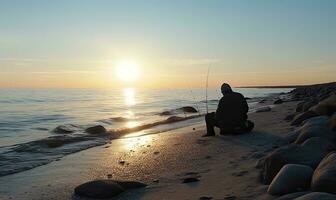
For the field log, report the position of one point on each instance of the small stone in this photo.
(156, 152)
(190, 180)
(122, 162)
(278, 101)
(241, 173)
(205, 198)
(231, 197)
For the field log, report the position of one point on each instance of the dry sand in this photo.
(225, 165)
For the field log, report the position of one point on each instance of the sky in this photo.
(79, 43)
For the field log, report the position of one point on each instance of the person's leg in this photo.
(210, 124)
(226, 129)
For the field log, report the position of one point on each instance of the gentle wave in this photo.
(72, 139)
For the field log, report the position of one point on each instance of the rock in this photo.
(263, 109)
(307, 105)
(174, 119)
(320, 121)
(205, 198)
(65, 129)
(188, 109)
(230, 197)
(324, 178)
(325, 107)
(317, 196)
(95, 130)
(166, 113)
(299, 106)
(291, 136)
(262, 101)
(298, 119)
(278, 101)
(319, 143)
(310, 131)
(291, 178)
(100, 189)
(190, 180)
(290, 117)
(309, 153)
(333, 122)
(292, 196)
(103, 189)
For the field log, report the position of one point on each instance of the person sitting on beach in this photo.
(231, 114)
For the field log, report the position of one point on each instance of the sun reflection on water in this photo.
(129, 96)
(132, 124)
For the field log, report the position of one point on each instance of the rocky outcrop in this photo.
(291, 178)
(333, 122)
(325, 107)
(317, 196)
(298, 119)
(324, 178)
(315, 131)
(310, 153)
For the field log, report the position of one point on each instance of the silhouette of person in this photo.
(231, 114)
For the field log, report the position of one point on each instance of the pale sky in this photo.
(78, 43)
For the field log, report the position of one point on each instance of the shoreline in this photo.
(80, 142)
(147, 158)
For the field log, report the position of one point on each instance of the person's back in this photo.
(232, 109)
(231, 114)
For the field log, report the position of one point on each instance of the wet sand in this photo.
(224, 165)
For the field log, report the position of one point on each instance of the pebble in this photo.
(190, 180)
(205, 198)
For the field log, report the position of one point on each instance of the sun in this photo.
(127, 71)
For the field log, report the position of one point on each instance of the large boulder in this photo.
(319, 120)
(333, 122)
(291, 178)
(299, 106)
(104, 189)
(310, 131)
(95, 130)
(307, 105)
(292, 196)
(325, 107)
(324, 178)
(310, 153)
(317, 196)
(298, 119)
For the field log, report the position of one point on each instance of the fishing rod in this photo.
(198, 110)
(206, 91)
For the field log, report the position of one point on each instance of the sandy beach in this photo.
(224, 165)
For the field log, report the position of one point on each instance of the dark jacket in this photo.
(232, 109)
